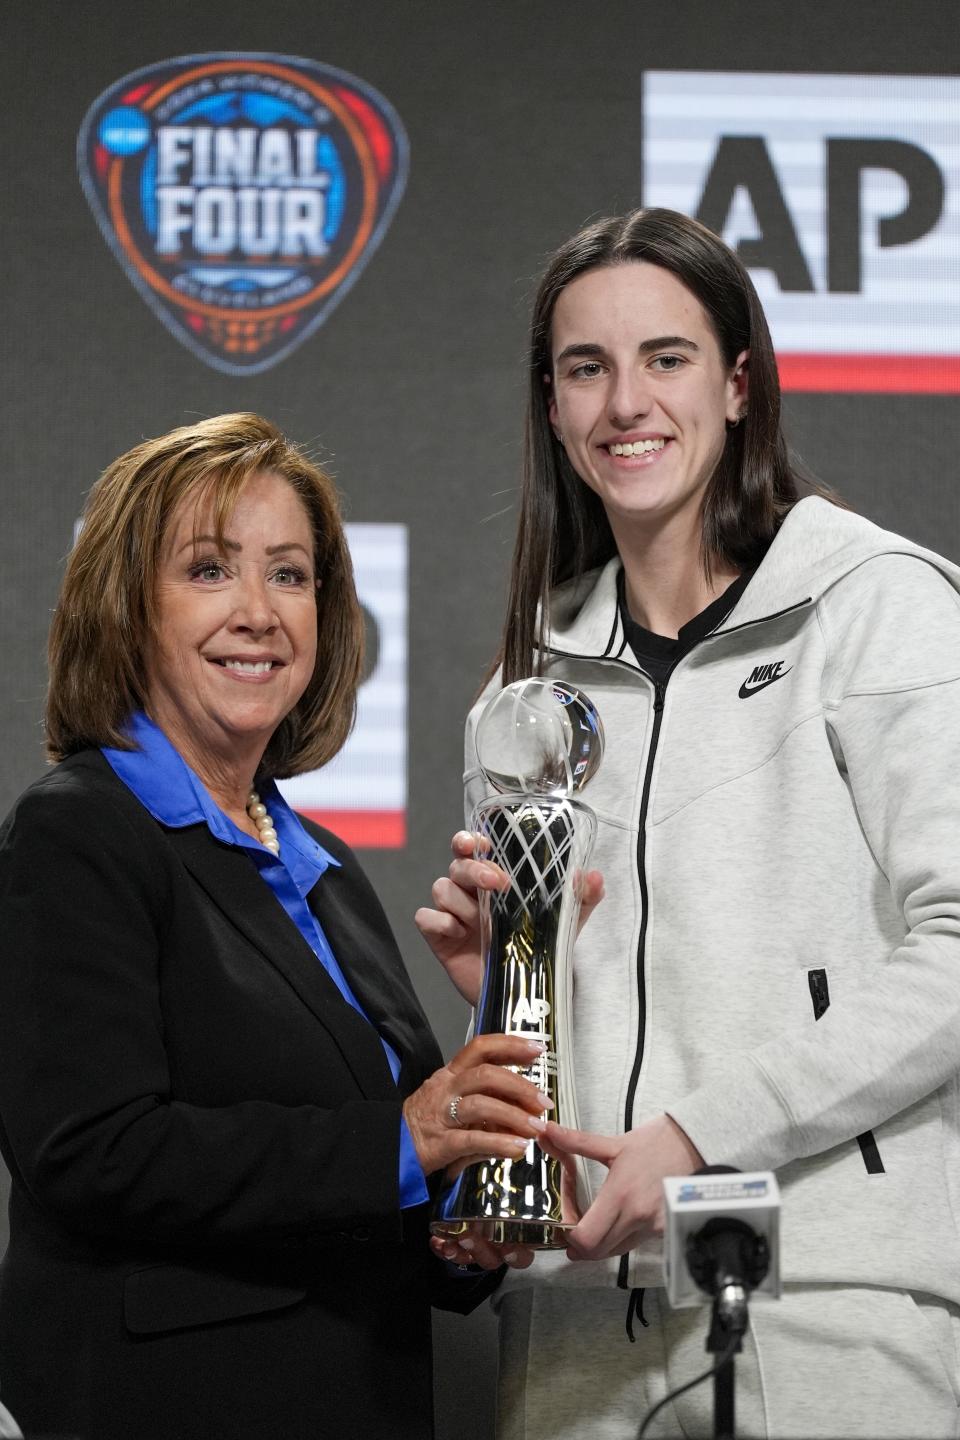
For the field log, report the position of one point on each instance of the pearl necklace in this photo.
(258, 814)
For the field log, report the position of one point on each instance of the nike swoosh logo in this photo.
(747, 689)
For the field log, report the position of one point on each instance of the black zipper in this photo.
(659, 692)
(820, 995)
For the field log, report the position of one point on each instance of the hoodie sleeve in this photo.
(891, 702)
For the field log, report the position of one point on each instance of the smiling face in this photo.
(236, 630)
(641, 394)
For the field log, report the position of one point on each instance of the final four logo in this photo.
(243, 194)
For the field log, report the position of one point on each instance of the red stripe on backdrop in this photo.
(364, 829)
(879, 374)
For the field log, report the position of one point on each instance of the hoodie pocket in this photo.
(820, 997)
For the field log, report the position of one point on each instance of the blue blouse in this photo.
(166, 786)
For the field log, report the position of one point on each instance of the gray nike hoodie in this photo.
(777, 962)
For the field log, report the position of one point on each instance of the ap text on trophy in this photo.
(538, 742)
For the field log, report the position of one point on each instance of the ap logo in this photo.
(243, 194)
(841, 193)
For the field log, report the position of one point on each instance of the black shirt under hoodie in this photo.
(657, 654)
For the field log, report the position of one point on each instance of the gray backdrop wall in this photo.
(524, 119)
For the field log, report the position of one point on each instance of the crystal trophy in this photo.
(538, 742)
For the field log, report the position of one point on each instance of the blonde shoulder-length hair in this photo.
(106, 612)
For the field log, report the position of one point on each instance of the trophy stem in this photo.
(528, 930)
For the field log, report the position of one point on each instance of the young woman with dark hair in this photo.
(564, 528)
(773, 981)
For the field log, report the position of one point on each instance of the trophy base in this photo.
(536, 1234)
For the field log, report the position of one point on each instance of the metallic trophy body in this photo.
(538, 740)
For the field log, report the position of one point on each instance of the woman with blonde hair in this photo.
(220, 1102)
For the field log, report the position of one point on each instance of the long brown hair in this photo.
(107, 607)
(563, 530)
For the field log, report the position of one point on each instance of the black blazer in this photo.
(205, 1232)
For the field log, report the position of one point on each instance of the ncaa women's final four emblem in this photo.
(243, 194)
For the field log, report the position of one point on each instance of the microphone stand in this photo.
(727, 1259)
(728, 1323)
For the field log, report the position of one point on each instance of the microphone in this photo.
(721, 1238)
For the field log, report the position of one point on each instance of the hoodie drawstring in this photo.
(635, 1307)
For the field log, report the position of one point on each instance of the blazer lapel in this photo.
(229, 879)
(360, 937)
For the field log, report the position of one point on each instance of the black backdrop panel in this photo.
(524, 120)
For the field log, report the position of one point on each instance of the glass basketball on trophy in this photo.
(538, 742)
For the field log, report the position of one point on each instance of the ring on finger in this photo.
(454, 1108)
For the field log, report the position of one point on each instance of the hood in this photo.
(817, 545)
